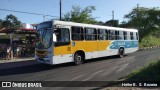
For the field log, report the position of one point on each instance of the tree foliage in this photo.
(1, 23)
(100, 23)
(146, 20)
(77, 14)
(114, 23)
(11, 21)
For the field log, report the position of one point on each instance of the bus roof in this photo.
(56, 22)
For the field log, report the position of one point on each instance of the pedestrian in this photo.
(23, 51)
(8, 52)
(18, 51)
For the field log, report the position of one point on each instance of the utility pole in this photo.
(11, 40)
(44, 18)
(60, 6)
(112, 17)
(137, 6)
(11, 44)
(137, 9)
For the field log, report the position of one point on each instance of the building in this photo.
(24, 36)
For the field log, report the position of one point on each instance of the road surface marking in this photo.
(109, 71)
(94, 74)
(97, 72)
(77, 77)
(132, 57)
(87, 78)
(122, 67)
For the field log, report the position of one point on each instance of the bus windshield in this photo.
(44, 31)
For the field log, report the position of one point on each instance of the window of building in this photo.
(90, 34)
(77, 33)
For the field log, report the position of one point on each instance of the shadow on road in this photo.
(101, 59)
(30, 69)
(37, 67)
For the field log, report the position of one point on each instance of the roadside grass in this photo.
(150, 72)
(149, 41)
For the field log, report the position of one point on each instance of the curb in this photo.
(17, 60)
(143, 48)
(17, 63)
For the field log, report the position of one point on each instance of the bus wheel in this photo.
(121, 52)
(78, 59)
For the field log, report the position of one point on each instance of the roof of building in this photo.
(14, 30)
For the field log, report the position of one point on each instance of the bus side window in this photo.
(121, 36)
(131, 35)
(134, 36)
(112, 35)
(137, 35)
(102, 34)
(116, 35)
(90, 34)
(62, 36)
(128, 36)
(77, 33)
(125, 35)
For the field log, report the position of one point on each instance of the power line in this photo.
(26, 12)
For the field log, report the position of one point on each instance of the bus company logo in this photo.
(6, 84)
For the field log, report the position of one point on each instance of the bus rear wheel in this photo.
(78, 58)
(121, 52)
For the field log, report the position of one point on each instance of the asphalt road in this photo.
(102, 69)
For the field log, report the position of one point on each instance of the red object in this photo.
(5, 30)
(27, 29)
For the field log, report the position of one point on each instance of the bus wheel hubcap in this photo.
(78, 58)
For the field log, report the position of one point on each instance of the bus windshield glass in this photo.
(44, 33)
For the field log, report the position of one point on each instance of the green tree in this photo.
(100, 23)
(1, 23)
(77, 14)
(114, 23)
(146, 20)
(11, 21)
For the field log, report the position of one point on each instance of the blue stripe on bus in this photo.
(125, 44)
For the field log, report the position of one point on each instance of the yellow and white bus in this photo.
(62, 42)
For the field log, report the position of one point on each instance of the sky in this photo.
(103, 10)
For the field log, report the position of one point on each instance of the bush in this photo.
(150, 72)
(149, 41)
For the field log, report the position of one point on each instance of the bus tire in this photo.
(78, 58)
(121, 52)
